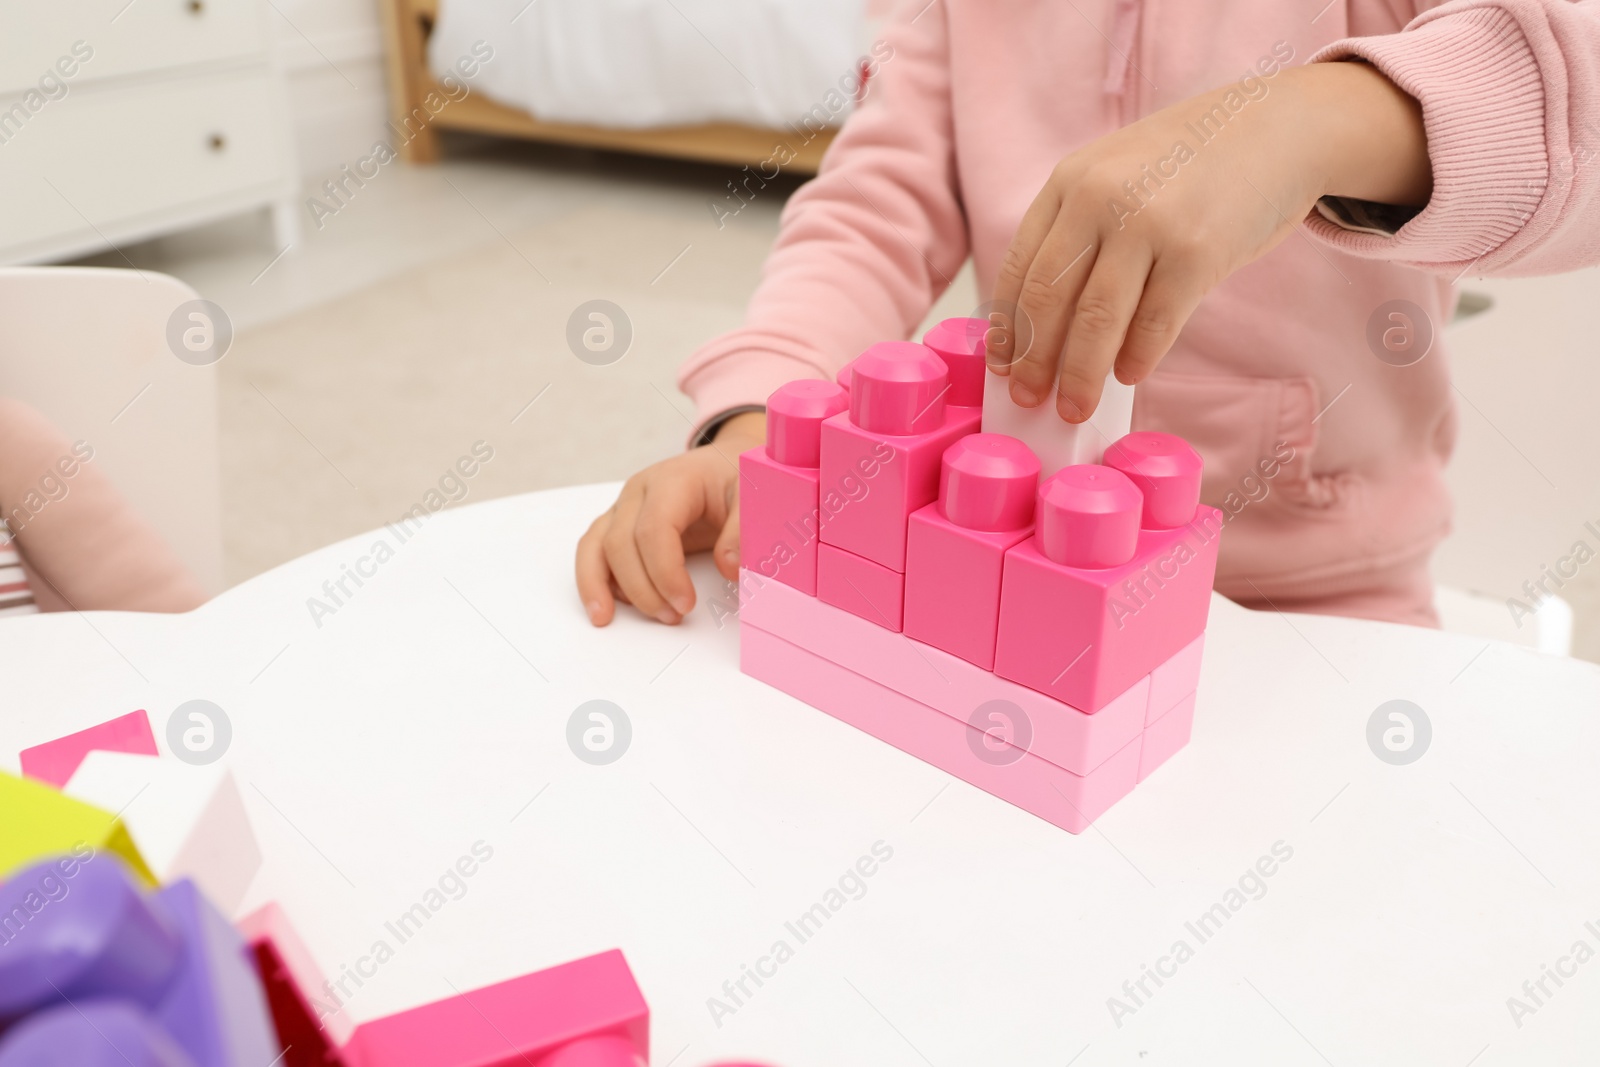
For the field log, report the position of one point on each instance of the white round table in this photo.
(427, 716)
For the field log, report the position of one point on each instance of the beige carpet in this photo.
(340, 418)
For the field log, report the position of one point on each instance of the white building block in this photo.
(188, 821)
(1058, 444)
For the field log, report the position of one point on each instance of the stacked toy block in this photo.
(1036, 633)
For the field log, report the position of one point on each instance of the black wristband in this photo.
(714, 425)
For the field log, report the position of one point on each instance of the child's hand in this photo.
(1130, 232)
(635, 551)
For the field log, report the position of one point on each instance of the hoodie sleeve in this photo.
(1510, 95)
(866, 247)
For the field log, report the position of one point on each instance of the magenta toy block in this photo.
(1017, 777)
(844, 375)
(1088, 516)
(1175, 679)
(589, 1012)
(956, 546)
(215, 1007)
(880, 460)
(54, 761)
(778, 520)
(1166, 470)
(795, 413)
(1166, 736)
(80, 928)
(861, 587)
(948, 684)
(310, 1032)
(1084, 635)
(91, 1033)
(778, 495)
(960, 344)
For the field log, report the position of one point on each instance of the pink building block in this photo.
(960, 344)
(1175, 679)
(1058, 796)
(1088, 516)
(863, 588)
(309, 1022)
(955, 547)
(55, 761)
(881, 458)
(778, 488)
(1167, 471)
(1166, 736)
(588, 1012)
(1084, 635)
(948, 684)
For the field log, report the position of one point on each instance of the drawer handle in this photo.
(217, 142)
(197, 7)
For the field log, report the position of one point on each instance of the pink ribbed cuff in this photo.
(1483, 106)
(740, 378)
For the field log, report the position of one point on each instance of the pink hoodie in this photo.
(1329, 459)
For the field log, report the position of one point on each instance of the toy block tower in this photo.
(1052, 610)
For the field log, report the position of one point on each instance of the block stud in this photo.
(960, 343)
(1166, 470)
(988, 481)
(1088, 517)
(898, 388)
(846, 372)
(794, 420)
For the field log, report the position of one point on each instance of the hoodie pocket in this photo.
(1256, 435)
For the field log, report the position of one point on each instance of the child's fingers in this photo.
(1109, 299)
(594, 577)
(670, 507)
(1170, 296)
(1001, 341)
(1049, 296)
(726, 551)
(622, 556)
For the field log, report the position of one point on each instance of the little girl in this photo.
(1282, 245)
(68, 539)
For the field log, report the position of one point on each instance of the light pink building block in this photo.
(882, 456)
(1166, 736)
(55, 761)
(955, 547)
(588, 1012)
(1058, 796)
(1175, 679)
(1084, 635)
(948, 684)
(778, 485)
(960, 344)
(866, 589)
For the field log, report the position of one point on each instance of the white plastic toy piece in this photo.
(1057, 443)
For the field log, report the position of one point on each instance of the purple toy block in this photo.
(215, 1007)
(1167, 471)
(778, 491)
(79, 928)
(960, 343)
(881, 459)
(91, 1033)
(861, 587)
(1084, 635)
(955, 547)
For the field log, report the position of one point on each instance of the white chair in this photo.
(88, 348)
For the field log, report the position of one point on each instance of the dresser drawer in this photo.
(120, 37)
(107, 160)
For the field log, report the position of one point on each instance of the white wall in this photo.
(1524, 474)
(332, 51)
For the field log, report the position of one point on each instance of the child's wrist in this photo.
(745, 430)
(1366, 134)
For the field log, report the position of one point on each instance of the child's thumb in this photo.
(726, 550)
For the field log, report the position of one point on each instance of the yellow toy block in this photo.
(37, 822)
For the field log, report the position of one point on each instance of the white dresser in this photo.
(125, 120)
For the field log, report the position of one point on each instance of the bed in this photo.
(759, 83)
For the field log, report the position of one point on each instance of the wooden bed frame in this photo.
(406, 26)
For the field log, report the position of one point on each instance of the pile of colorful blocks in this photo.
(113, 954)
(1036, 632)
